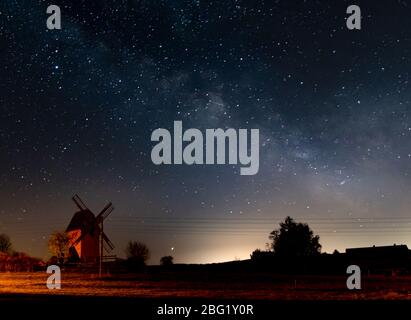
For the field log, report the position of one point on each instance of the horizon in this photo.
(232, 251)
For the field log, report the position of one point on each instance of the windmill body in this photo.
(86, 236)
(83, 232)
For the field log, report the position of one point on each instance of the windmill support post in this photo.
(100, 269)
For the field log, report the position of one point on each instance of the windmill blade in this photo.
(107, 248)
(80, 204)
(108, 242)
(78, 239)
(91, 231)
(105, 212)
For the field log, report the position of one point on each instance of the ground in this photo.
(210, 286)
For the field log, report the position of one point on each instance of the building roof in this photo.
(83, 220)
(383, 251)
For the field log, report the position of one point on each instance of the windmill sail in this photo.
(105, 212)
(80, 204)
(107, 242)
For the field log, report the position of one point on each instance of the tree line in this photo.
(292, 239)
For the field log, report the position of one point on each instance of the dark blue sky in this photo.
(78, 106)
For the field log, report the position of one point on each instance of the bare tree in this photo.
(5, 243)
(59, 245)
(137, 253)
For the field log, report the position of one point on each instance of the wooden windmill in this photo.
(86, 236)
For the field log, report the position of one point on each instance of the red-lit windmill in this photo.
(85, 231)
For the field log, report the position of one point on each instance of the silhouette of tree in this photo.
(294, 239)
(259, 255)
(166, 261)
(59, 245)
(256, 254)
(5, 243)
(137, 253)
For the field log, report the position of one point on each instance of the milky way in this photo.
(78, 106)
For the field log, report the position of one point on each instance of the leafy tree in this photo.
(256, 254)
(137, 253)
(59, 245)
(166, 261)
(5, 243)
(294, 239)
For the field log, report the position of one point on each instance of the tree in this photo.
(137, 253)
(59, 245)
(166, 261)
(294, 239)
(256, 254)
(5, 243)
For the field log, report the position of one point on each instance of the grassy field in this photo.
(206, 285)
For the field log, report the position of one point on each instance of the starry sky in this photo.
(78, 107)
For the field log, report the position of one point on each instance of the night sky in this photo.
(78, 107)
